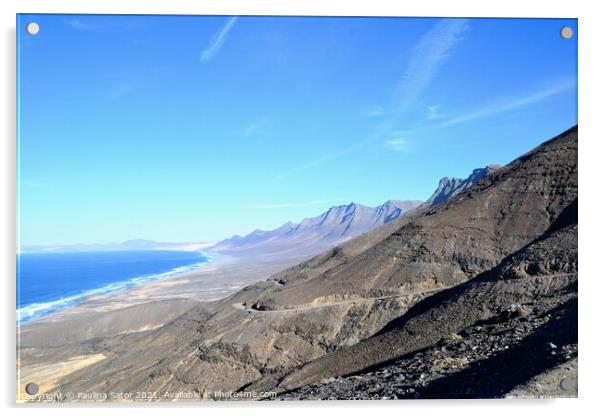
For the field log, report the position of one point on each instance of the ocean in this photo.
(48, 282)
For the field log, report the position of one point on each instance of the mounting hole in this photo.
(31, 388)
(32, 28)
(566, 32)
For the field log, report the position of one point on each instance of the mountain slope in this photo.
(534, 289)
(444, 245)
(340, 223)
(313, 235)
(286, 332)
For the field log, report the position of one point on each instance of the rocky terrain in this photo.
(480, 339)
(471, 297)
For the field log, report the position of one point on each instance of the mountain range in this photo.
(312, 235)
(340, 223)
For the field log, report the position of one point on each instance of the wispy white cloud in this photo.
(112, 24)
(398, 145)
(288, 204)
(431, 51)
(252, 128)
(492, 108)
(508, 104)
(426, 59)
(325, 159)
(433, 112)
(486, 110)
(119, 91)
(218, 40)
(78, 24)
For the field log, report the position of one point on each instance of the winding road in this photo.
(250, 309)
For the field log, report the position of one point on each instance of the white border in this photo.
(590, 71)
(508, 8)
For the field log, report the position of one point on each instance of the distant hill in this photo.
(312, 235)
(130, 245)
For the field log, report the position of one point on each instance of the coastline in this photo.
(36, 312)
(55, 344)
(219, 277)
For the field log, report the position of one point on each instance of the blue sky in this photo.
(180, 128)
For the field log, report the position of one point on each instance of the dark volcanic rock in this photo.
(524, 284)
(491, 357)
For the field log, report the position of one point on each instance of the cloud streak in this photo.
(218, 40)
(492, 108)
(254, 127)
(119, 91)
(510, 104)
(79, 25)
(324, 159)
(426, 59)
(398, 145)
(113, 24)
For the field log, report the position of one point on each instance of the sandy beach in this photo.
(213, 280)
(57, 342)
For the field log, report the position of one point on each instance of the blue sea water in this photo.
(47, 282)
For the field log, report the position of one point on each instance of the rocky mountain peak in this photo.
(449, 186)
